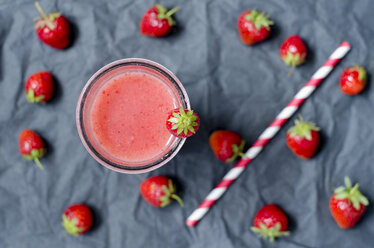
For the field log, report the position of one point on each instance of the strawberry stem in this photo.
(38, 163)
(44, 15)
(172, 11)
(40, 10)
(178, 199)
(291, 70)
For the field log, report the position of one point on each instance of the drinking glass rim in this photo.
(174, 81)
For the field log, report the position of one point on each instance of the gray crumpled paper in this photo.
(230, 85)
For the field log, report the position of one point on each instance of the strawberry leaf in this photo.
(180, 130)
(173, 120)
(164, 198)
(161, 8)
(339, 190)
(191, 129)
(175, 126)
(347, 182)
(356, 205)
(363, 200)
(342, 195)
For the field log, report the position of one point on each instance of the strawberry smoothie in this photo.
(122, 112)
(129, 113)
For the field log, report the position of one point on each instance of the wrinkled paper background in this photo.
(232, 86)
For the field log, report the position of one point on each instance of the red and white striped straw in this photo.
(269, 133)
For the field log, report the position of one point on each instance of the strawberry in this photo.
(159, 191)
(353, 80)
(182, 123)
(77, 219)
(39, 87)
(270, 222)
(31, 146)
(303, 138)
(253, 26)
(52, 29)
(293, 51)
(226, 145)
(157, 21)
(347, 204)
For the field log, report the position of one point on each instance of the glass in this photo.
(87, 98)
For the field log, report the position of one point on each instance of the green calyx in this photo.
(35, 155)
(163, 13)
(54, 15)
(361, 72)
(30, 96)
(183, 121)
(294, 59)
(48, 19)
(169, 194)
(70, 225)
(303, 129)
(270, 233)
(354, 196)
(259, 19)
(238, 151)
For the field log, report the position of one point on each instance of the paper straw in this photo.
(269, 133)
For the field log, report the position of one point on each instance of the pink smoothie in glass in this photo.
(128, 116)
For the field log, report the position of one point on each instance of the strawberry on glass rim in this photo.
(293, 52)
(52, 29)
(182, 123)
(253, 26)
(157, 21)
(347, 204)
(353, 80)
(39, 87)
